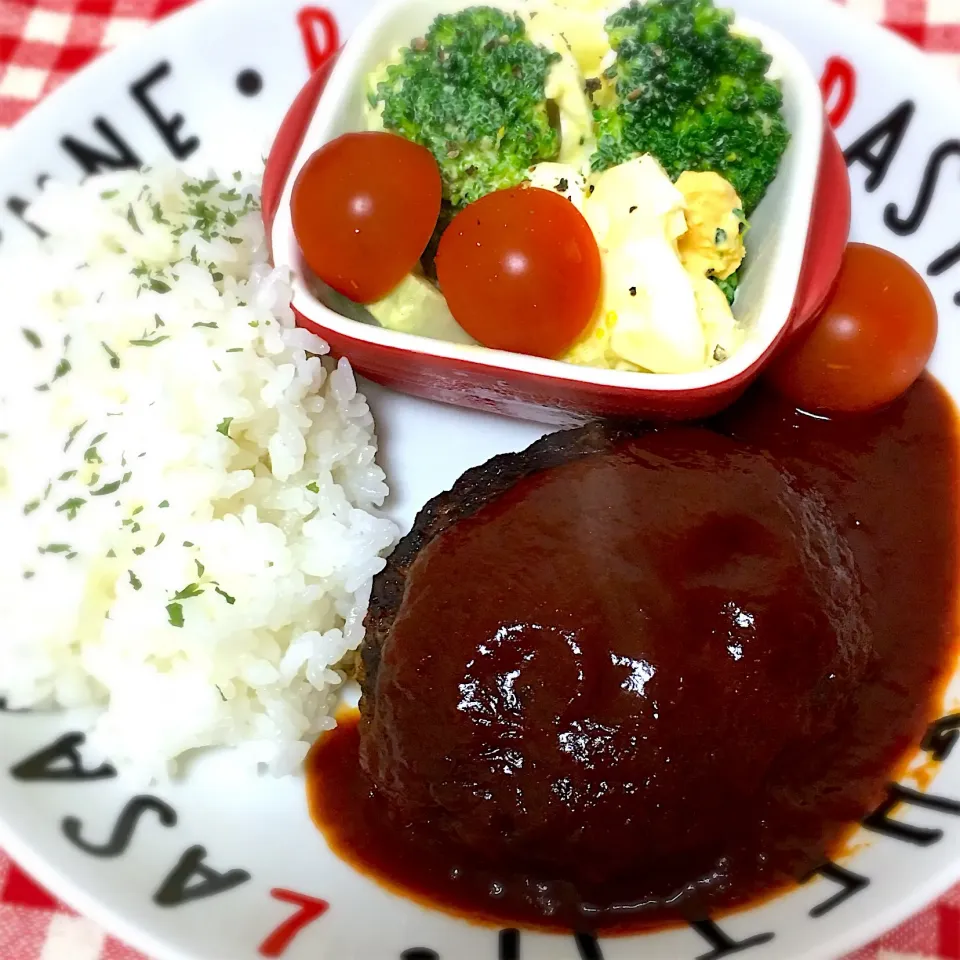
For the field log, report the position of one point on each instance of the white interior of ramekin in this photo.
(775, 243)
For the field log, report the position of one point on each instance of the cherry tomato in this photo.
(520, 270)
(363, 208)
(871, 342)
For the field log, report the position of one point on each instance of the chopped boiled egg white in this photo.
(417, 306)
(561, 178)
(659, 310)
(636, 215)
(578, 23)
(565, 86)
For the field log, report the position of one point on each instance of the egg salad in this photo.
(663, 242)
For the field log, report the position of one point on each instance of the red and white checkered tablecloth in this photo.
(42, 42)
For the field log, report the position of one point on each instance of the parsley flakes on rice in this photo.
(187, 490)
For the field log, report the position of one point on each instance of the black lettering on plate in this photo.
(880, 822)
(124, 829)
(508, 944)
(905, 226)
(419, 953)
(941, 735)
(850, 882)
(944, 262)
(587, 946)
(60, 760)
(167, 127)
(192, 879)
(878, 147)
(94, 159)
(18, 207)
(724, 945)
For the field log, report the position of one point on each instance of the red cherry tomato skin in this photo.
(871, 342)
(521, 271)
(363, 209)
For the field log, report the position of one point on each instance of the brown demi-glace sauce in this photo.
(820, 724)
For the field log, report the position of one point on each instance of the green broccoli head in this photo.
(693, 94)
(472, 92)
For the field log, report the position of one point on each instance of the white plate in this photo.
(906, 198)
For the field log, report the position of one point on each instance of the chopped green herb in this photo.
(200, 568)
(67, 475)
(234, 240)
(235, 350)
(135, 528)
(313, 487)
(71, 554)
(55, 548)
(140, 270)
(73, 435)
(190, 590)
(111, 554)
(28, 508)
(194, 259)
(158, 321)
(71, 506)
(224, 426)
(138, 550)
(213, 325)
(237, 175)
(91, 456)
(720, 236)
(188, 543)
(28, 574)
(175, 614)
(108, 194)
(163, 504)
(135, 581)
(63, 368)
(226, 596)
(158, 286)
(132, 219)
(31, 338)
(230, 219)
(114, 359)
(106, 488)
(126, 476)
(216, 275)
(160, 539)
(158, 214)
(150, 343)
(137, 511)
(230, 195)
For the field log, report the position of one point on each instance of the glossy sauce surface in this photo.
(661, 681)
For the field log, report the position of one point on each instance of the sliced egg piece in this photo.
(637, 215)
(561, 178)
(565, 90)
(416, 306)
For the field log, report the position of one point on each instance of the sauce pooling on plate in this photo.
(663, 678)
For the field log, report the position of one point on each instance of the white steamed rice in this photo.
(187, 490)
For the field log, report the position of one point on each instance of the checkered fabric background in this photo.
(42, 42)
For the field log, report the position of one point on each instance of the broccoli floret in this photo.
(472, 92)
(729, 285)
(693, 94)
